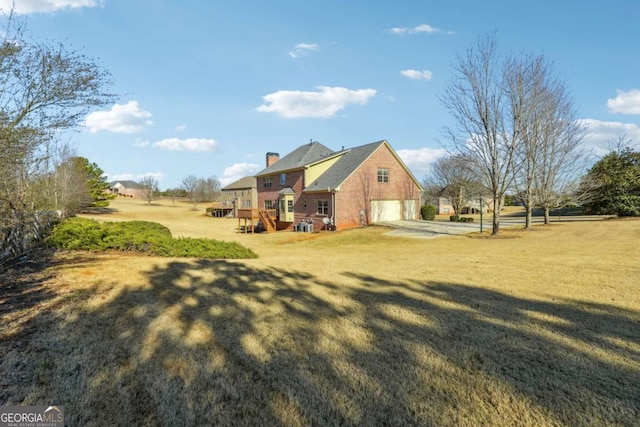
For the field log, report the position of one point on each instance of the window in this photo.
(283, 179)
(247, 203)
(323, 207)
(267, 181)
(268, 204)
(289, 205)
(383, 175)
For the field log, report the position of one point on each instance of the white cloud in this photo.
(134, 177)
(600, 134)
(36, 6)
(241, 169)
(302, 49)
(417, 75)
(237, 171)
(127, 118)
(423, 28)
(323, 104)
(625, 102)
(181, 127)
(189, 144)
(419, 160)
(141, 143)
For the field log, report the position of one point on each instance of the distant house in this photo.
(472, 206)
(325, 189)
(126, 189)
(240, 194)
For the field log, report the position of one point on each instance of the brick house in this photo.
(240, 194)
(338, 189)
(126, 188)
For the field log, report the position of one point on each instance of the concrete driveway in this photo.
(430, 229)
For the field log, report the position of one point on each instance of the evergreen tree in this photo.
(96, 183)
(612, 185)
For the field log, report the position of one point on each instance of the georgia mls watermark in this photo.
(31, 416)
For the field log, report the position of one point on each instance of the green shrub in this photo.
(465, 219)
(428, 212)
(136, 236)
(454, 218)
(139, 236)
(77, 233)
(208, 248)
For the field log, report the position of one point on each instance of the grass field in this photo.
(533, 328)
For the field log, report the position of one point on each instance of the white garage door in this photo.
(385, 210)
(390, 210)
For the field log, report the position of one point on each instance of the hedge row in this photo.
(456, 218)
(139, 236)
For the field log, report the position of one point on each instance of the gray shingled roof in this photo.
(242, 183)
(349, 162)
(126, 184)
(298, 158)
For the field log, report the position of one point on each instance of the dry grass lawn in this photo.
(537, 328)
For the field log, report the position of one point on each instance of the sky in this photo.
(208, 87)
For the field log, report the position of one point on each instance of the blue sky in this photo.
(208, 87)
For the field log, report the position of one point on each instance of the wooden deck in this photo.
(266, 217)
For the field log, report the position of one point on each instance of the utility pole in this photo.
(481, 214)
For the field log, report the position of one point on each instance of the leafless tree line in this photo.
(201, 189)
(515, 127)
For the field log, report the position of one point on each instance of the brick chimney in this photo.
(272, 158)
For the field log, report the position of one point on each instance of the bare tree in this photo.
(69, 189)
(190, 184)
(619, 143)
(208, 189)
(173, 195)
(44, 89)
(484, 132)
(561, 160)
(525, 81)
(430, 192)
(548, 152)
(149, 188)
(455, 178)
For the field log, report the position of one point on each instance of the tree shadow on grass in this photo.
(24, 286)
(576, 360)
(223, 343)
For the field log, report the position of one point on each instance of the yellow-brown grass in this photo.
(353, 328)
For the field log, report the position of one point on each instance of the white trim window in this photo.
(383, 175)
(323, 207)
